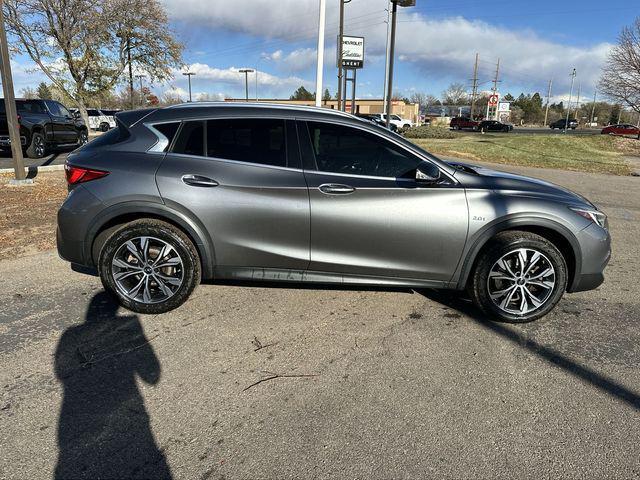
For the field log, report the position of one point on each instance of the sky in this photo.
(437, 40)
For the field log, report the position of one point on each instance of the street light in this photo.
(392, 47)
(189, 74)
(246, 72)
(140, 77)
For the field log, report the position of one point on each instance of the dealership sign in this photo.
(352, 52)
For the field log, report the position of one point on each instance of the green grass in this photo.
(586, 153)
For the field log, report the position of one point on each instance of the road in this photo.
(373, 383)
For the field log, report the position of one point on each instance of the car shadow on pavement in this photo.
(104, 429)
(584, 373)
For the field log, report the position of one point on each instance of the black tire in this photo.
(37, 147)
(501, 245)
(83, 137)
(178, 240)
(104, 127)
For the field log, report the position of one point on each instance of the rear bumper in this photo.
(74, 218)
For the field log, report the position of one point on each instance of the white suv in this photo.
(396, 120)
(99, 121)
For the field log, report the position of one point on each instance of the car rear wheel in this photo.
(150, 266)
(38, 147)
(104, 127)
(519, 278)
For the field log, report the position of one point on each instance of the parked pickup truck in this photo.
(44, 125)
(459, 123)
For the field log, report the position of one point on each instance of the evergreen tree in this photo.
(302, 94)
(43, 91)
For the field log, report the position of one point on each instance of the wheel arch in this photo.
(553, 231)
(113, 218)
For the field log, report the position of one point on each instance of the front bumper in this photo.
(5, 141)
(595, 247)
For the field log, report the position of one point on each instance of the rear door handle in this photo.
(336, 189)
(199, 181)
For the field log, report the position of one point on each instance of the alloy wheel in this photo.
(39, 147)
(521, 281)
(147, 270)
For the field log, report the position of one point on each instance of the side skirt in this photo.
(257, 274)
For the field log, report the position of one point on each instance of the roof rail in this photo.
(283, 106)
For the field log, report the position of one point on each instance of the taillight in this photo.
(80, 175)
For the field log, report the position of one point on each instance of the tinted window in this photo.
(169, 130)
(248, 140)
(30, 106)
(347, 150)
(190, 141)
(93, 113)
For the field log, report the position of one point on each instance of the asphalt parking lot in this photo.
(277, 382)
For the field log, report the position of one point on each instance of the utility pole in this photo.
(140, 77)
(130, 70)
(189, 75)
(573, 78)
(10, 107)
(593, 107)
(494, 89)
(474, 87)
(578, 101)
(546, 113)
(321, 19)
(386, 59)
(246, 72)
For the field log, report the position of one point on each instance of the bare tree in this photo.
(85, 46)
(28, 93)
(620, 80)
(423, 99)
(455, 94)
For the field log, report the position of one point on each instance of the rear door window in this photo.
(259, 141)
(190, 140)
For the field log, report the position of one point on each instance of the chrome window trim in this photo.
(163, 141)
(237, 162)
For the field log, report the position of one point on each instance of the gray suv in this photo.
(259, 192)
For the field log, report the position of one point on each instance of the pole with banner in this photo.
(350, 58)
(10, 107)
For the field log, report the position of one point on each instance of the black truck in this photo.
(44, 125)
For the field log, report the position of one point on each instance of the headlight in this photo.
(592, 215)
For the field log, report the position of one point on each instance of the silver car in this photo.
(258, 192)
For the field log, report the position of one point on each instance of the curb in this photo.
(37, 169)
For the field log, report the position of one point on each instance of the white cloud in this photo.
(297, 60)
(232, 81)
(439, 48)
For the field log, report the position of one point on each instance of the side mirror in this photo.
(427, 178)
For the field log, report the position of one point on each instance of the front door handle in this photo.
(336, 189)
(199, 181)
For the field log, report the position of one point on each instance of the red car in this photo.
(458, 123)
(622, 129)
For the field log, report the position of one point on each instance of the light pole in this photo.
(321, 18)
(392, 47)
(246, 72)
(340, 71)
(189, 75)
(566, 122)
(140, 77)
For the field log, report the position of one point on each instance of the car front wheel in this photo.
(150, 266)
(519, 278)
